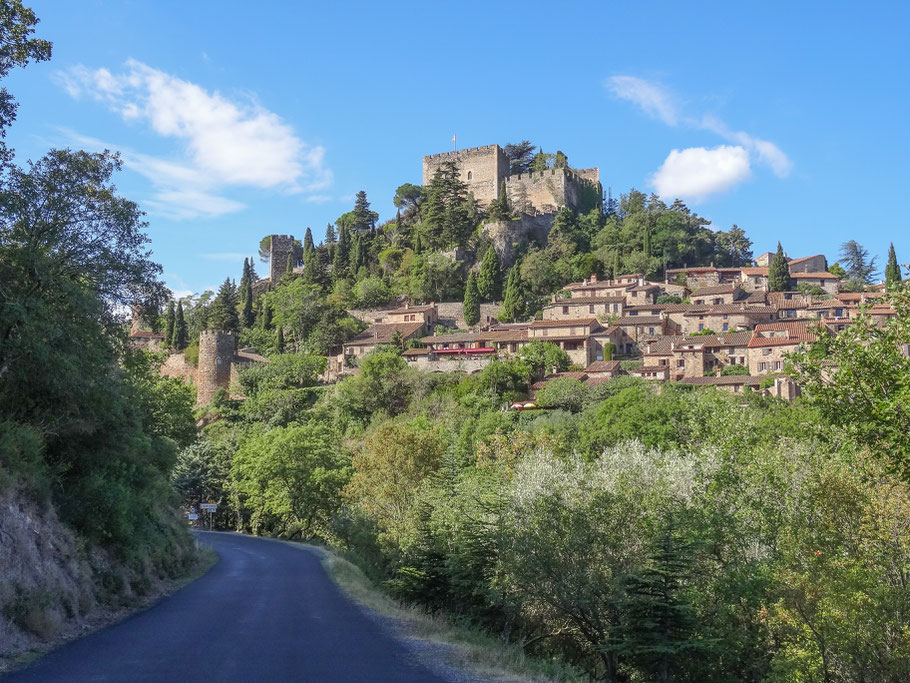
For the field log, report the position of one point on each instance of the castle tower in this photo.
(482, 169)
(216, 353)
(282, 247)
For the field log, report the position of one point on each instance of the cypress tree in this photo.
(356, 254)
(245, 279)
(247, 318)
(513, 304)
(280, 343)
(489, 283)
(342, 255)
(617, 264)
(892, 270)
(471, 306)
(779, 272)
(169, 320)
(181, 334)
(646, 246)
(266, 318)
(308, 241)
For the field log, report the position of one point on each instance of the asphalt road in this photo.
(266, 611)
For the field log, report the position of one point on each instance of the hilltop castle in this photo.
(484, 169)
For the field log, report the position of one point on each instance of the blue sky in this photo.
(241, 119)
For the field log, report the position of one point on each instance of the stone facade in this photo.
(483, 169)
(216, 354)
(282, 247)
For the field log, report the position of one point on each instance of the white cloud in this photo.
(767, 152)
(697, 172)
(224, 142)
(659, 103)
(654, 100)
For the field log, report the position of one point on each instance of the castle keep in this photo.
(483, 170)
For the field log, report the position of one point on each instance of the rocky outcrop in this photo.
(509, 237)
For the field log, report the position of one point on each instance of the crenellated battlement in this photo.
(456, 154)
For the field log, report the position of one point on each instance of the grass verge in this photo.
(463, 647)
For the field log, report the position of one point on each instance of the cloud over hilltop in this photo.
(223, 142)
(697, 172)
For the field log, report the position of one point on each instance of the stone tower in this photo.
(282, 247)
(216, 354)
(482, 169)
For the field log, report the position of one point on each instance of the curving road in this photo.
(266, 611)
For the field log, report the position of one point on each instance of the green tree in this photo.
(448, 215)
(341, 261)
(892, 270)
(169, 320)
(294, 475)
(181, 338)
(363, 218)
(471, 304)
(223, 314)
(779, 272)
(489, 281)
(247, 317)
(500, 209)
(407, 199)
(544, 357)
(520, 156)
(513, 300)
(856, 261)
(308, 244)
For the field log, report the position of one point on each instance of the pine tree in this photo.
(779, 272)
(223, 314)
(489, 282)
(363, 217)
(169, 320)
(313, 273)
(181, 334)
(657, 625)
(471, 306)
(892, 270)
(500, 208)
(308, 241)
(513, 301)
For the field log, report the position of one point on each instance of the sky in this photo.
(236, 119)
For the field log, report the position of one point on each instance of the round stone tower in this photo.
(216, 352)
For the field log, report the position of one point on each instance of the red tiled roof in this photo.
(603, 366)
(581, 300)
(822, 275)
(804, 258)
(716, 289)
(723, 380)
(383, 333)
(792, 340)
(570, 322)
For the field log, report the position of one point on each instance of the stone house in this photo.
(575, 337)
(702, 276)
(735, 384)
(718, 295)
(599, 306)
(726, 318)
(826, 281)
(808, 264)
(772, 342)
(427, 315)
(383, 333)
(643, 294)
(655, 373)
(605, 369)
(641, 327)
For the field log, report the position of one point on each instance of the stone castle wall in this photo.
(482, 168)
(216, 353)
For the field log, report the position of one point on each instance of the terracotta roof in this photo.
(383, 333)
(804, 258)
(716, 289)
(650, 368)
(454, 338)
(603, 366)
(248, 356)
(741, 309)
(858, 297)
(702, 269)
(641, 308)
(780, 301)
(792, 326)
(723, 380)
(416, 352)
(791, 340)
(569, 322)
(639, 320)
(684, 308)
(645, 288)
(580, 300)
(822, 275)
(754, 271)
(757, 297)
(506, 336)
(411, 309)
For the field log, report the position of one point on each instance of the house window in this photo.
(700, 327)
(725, 316)
(565, 310)
(766, 352)
(590, 308)
(681, 363)
(650, 330)
(778, 365)
(469, 175)
(726, 326)
(762, 367)
(616, 308)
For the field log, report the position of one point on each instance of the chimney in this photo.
(407, 304)
(593, 278)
